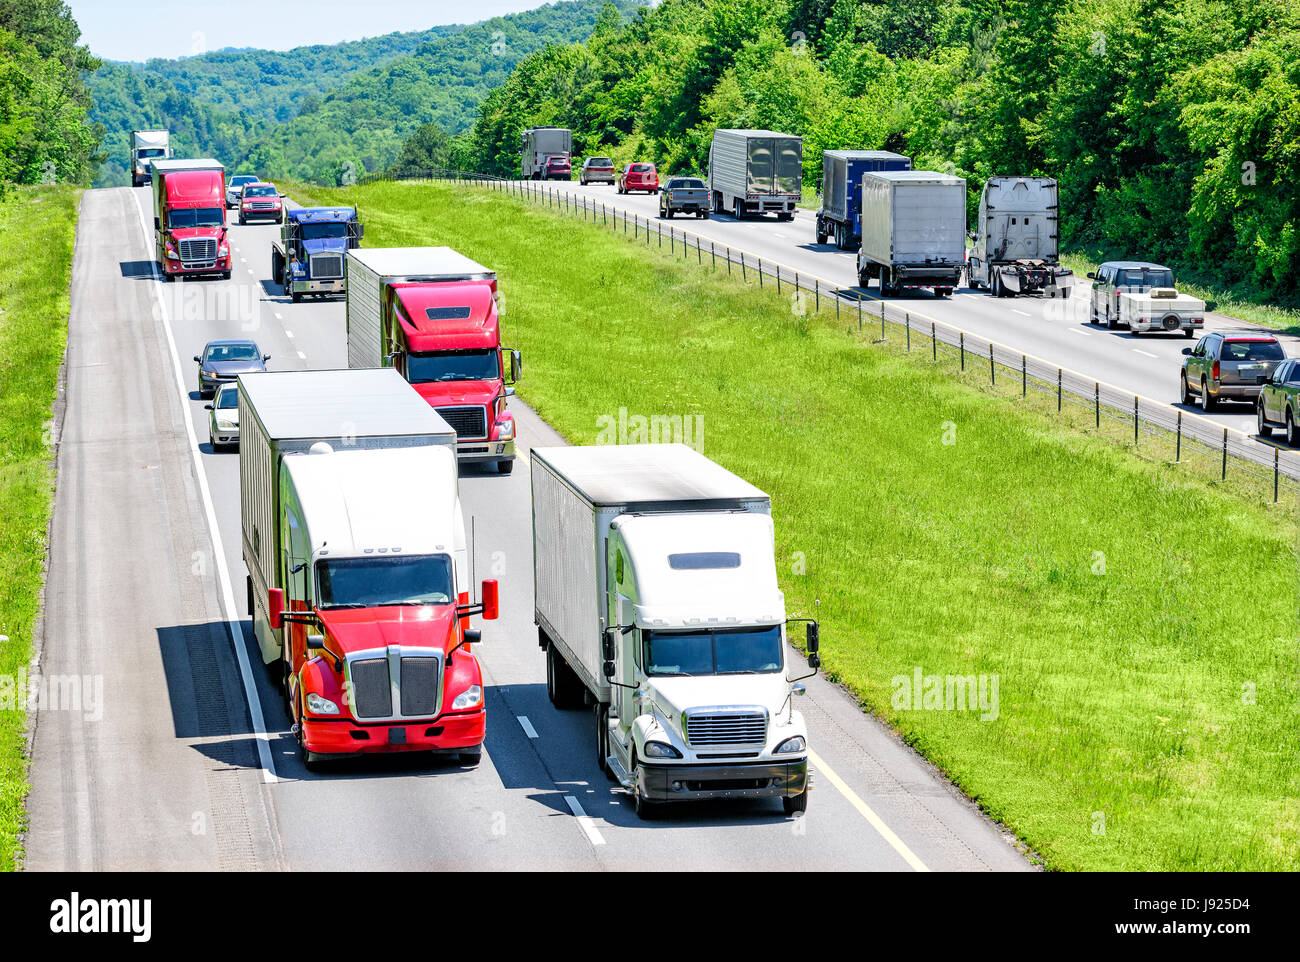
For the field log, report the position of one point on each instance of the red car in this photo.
(558, 167)
(638, 176)
(260, 201)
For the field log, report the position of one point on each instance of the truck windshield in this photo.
(453, 366)
(195, 217)
(1143, 279)
(323, 231)
(384, 580)
(145, 152)
(718, 651)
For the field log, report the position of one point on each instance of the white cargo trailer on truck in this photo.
(354, 540)
(146, 147)
(754, 172)
(538, 144)
(656, 600)
(913, 230)
(1017, 243)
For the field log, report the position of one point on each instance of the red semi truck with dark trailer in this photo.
(189, 218)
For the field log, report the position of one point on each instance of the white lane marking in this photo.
(526, 725)
(1075, 330)
(1017, 310)
(584, 820)
(1138, 350)
(302, 355)
(866, 812)
(288, 333)
(278, 316)
(223, 573)
(250, 270)
(777, 233)
(243, 260)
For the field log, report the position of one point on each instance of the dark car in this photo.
(1279, 402)
(223, 361)
(596, 170)
(1229, 367)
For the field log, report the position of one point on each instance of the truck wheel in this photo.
(1265, 429)
(562, 685)
(471, 758)
(310, 760)
(703, 215)
(505, 467)
(797, 804)
(821, 231)
(646, 810)
(296, 297)
(739, 208)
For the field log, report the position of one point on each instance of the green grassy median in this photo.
(37, 226)
(1139, 623)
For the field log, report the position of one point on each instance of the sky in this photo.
(130, 30)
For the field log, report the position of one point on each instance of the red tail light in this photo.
(1214, 370)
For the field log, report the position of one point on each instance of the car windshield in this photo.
(324, 231)
(687, 183)
(233, 352)
(1144, 278)
(1252, 351)
(260, 192)
(453, 366)
(227, 398)
(196, 217)
(719, 651)
(384, 580)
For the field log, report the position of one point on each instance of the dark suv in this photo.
(1228, 367)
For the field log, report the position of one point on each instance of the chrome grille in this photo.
(198, 249)
(325, 267)
(712, 727)
(372, 694)
(467, 422)
(419, 686)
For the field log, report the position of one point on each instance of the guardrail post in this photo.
(1096, 398)
(661, 234)
(1276, 454)
(699, 254)
(713, 253)
(743, 276)
(1135, 420)
(817, 295)
(859, 313)
(961, 337)
(778, 279)
(728, 261)
(1024, 376)
(1058, 390)
(882, 322)
(1178, 442)
(934, 341)
(760, 273)
(993, 377)
(1224, 475)
(907, 321)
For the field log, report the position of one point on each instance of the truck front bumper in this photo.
(485, 450)
(461, 732)
(680, 783)
(338, 286)
(178, 268)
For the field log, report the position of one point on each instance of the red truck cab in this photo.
(447, 338)
(190, 218)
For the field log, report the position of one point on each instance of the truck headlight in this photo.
(320, 706)
(790, 745)
(469, 698)
(660, 750)
(506, 429)
(225, 425)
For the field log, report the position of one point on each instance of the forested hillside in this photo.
(1171, 124)
(45, 134)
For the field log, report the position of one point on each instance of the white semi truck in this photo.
(656, 601)
(1017, 239)
(146, 147)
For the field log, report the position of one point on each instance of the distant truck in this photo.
(755, 172)
(146, 147)
(358, 597)
(189, 218)
(432, 313)
(913, 231)
(1017, 239)
(840, 216)
(656, 601)
(546, 153)
(308, 256)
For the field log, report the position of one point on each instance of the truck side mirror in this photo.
(516, 365)
(196, 357)
(1187, 351)
(275, 607)
(207, 407)
(156, 224)
(1091, 276)
(812, 637)
(608, 668)
(608, 646)
(315, 641)
(490, 599)
(361, 231)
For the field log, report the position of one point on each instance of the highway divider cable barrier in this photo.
(1150, 420)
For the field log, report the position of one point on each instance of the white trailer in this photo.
(146, 147)
(656, 600)
(913, 230)
(755, 172)
(539, 143)
(284, 413)
(1161, 309)
(1017, 242)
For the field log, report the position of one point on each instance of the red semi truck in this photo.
(433, 314)
(189, 218)
(359, 600)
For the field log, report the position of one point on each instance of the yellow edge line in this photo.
(867, 812)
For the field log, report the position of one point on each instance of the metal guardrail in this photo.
(1264, 461)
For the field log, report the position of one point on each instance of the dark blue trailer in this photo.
(840, 216)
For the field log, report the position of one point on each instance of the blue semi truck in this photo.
(840, 216)
(308, 256)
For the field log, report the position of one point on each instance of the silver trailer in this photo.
(755, 172)
(146, 147)
(285, 413)
(538, 143)
(1017, 239)
(913, 230)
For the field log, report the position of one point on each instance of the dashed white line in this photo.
(278, 316)
(250, 270)
(1016, 310)
(288, 333)
(526, 725)
(584, 820)
(1075, 330)
(302, 355)
(1147, 353)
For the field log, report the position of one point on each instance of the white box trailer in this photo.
(913, 230)
(1017, 242)
(288, 412)
(146, 147)
(538, 143)
(755, 172)
(643, 554)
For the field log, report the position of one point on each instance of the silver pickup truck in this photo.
(685, 195)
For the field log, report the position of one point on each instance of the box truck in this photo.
(189, 218)
(146, 147)
(433, 314)
(358, 596)
(546, 153)
(913, 230)
(656, 602)
(1017, 239)
(755, 172)
(840, 215)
